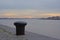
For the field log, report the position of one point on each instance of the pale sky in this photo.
(29, 8)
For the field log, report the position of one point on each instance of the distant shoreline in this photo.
(33, 18)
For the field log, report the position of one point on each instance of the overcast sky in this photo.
(31, 5)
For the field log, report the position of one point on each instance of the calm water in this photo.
(49, 28)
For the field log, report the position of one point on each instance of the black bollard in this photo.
(20, 28)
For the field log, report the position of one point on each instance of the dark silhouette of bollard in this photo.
(20, 28)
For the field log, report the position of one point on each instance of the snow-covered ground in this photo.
(8, 33)
(50, 28)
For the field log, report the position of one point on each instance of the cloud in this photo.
(46, 5)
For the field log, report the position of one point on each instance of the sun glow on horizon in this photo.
(48, 15)
(28, 14)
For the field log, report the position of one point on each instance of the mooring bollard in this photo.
(20, 28)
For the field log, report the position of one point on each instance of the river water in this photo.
(49, 28)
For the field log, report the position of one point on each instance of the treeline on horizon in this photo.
(52, 18)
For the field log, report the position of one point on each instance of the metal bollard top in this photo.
(20, 23)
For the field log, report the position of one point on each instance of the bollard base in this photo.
(20, 31)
